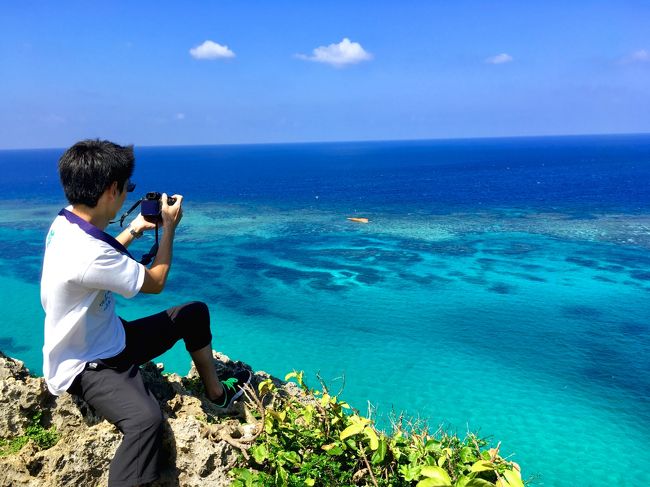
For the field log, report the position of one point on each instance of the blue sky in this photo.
(308, 71)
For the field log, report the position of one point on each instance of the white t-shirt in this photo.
(80, 275)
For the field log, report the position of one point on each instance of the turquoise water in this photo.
(500, 287)
(538, 339)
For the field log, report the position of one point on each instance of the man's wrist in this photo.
(134, 233)
(169, 227)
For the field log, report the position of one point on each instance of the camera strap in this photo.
(151, 255)
(95, 232)
(128, 212)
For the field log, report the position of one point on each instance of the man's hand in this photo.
(139, 224)
(171, 215)
(156, 276)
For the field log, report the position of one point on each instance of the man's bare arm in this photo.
(156, 276)
(138, 225)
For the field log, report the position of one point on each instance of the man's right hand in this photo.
(156, 276)
(171, 214)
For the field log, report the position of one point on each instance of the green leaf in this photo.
(436, 473)
(352, 430)
(467, 455)
(297, 375)
(510, 478)
(409, 472)
(308, 414)
(260, 453)
(358, 419)
(266, 386)
(372, 436)
(310, 482)
(333, 449)
(482, 466)
(324, 401)
(350, 443)
(432, 445)
(279, 416)
(244, 478)
(478, 483)
(291, 457)
(281, 476)
(433, 483)
(513, 475)
(380, 453)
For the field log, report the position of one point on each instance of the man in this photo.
(89, 351)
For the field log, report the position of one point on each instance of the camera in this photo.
(151, 206)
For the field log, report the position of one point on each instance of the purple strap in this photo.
(93, 231)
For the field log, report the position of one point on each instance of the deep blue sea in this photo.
(501, 286)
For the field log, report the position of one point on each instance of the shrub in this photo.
(322, 441)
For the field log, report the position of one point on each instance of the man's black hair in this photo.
(89, 167)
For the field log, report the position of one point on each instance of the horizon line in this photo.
(353, 141)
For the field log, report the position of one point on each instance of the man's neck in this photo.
(91, 215)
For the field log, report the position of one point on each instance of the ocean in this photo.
(501, 285)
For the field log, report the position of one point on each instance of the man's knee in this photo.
(192, 313)
(199, 311)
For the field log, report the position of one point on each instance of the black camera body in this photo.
(151, 206)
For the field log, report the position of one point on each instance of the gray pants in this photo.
(113, 387)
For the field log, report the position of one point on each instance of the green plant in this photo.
(44, 438)
(321, 440)
(194, 385)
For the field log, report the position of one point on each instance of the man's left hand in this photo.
(139, 224)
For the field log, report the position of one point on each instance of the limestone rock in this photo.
(193, 453)
(21, 396)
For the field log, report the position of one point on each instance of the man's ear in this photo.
(113, 190)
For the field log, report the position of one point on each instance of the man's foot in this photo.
(233, 388)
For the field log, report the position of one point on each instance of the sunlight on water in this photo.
(475, 298)
(538, 341)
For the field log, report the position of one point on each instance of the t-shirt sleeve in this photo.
(113, 271)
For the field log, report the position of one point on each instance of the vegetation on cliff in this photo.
(319, 440)
(41, 437)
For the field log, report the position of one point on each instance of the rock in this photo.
(21, 396)
(192, 456)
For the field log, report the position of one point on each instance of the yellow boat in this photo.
(358, 220)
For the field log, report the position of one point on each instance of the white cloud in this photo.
(338, 55)
(640, 56)
(500, 59)
(211, 50)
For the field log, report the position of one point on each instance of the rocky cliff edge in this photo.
(201, 443)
